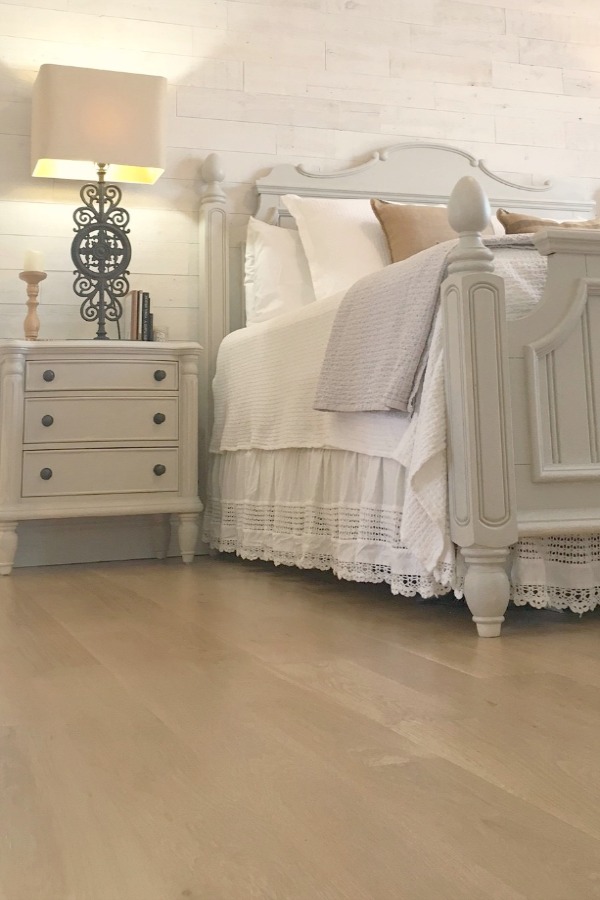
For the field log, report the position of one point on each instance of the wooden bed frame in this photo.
(523, 397)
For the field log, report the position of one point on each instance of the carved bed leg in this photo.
(487, 588)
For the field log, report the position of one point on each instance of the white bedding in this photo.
(265, 384)
(362, 494)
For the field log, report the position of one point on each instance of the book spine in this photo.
(145, 317)
(133, 322)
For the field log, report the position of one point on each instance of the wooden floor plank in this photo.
(229, 732)
(30, 851)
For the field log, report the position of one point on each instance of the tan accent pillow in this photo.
(410, 229)
(523, 223)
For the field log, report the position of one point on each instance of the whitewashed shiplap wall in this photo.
(516, 82)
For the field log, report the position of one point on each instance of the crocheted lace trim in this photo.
(405, 584)
(540, 568)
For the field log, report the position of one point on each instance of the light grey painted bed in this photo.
(522, 396)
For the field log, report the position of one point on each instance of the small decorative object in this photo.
(32, 274)
(111, 123)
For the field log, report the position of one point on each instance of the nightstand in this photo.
(99, 428)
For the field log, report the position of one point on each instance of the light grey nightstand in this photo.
(98, 428)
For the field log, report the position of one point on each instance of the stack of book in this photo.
(140, 326)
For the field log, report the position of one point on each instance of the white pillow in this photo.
(277, 279)
(342, 239)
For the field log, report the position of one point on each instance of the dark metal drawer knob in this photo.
(47, 421)
(159, 418)
(160, 375)
(159, 470)
(48, 375)
(46, 474)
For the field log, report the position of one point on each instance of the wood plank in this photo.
(229, 730)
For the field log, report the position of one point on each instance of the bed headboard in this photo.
(417, 173)
(422, 173)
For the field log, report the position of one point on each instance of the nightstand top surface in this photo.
(100, 346)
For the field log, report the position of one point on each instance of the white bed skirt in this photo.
(323, 509)
(315, 509)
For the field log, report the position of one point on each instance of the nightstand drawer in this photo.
(52, 473)
(54, 420)
(101, 375)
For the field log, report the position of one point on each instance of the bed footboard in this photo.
(523, 402)
(481, 466)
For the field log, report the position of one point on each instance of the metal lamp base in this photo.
(101, 253)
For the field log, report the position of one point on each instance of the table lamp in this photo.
(112, 124)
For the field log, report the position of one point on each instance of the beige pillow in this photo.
(410, 229)
(523, 223)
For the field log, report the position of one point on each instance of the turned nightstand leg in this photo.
(162, 535)
(188, 535)
(8, 546)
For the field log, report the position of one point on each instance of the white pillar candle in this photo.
(34, 261)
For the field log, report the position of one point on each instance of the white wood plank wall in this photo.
(516, 82)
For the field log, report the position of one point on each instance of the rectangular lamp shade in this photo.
(82, 117)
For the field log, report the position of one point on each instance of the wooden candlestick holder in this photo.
(31, 325)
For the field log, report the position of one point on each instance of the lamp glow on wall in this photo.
(112, 124)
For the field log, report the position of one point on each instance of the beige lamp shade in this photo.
(83, 117)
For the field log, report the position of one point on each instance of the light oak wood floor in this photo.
(228, 731)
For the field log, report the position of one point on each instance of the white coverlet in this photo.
(265, 385)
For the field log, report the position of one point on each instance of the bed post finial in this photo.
(469, 215)
(212, 175)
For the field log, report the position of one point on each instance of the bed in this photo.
(490, 487)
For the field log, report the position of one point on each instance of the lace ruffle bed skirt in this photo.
(331, 510)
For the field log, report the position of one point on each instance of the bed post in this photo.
(481, 474)
(214, 261)
(213, 299)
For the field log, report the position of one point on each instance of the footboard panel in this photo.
(554, 364)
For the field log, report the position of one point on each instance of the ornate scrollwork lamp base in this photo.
(101, 253)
